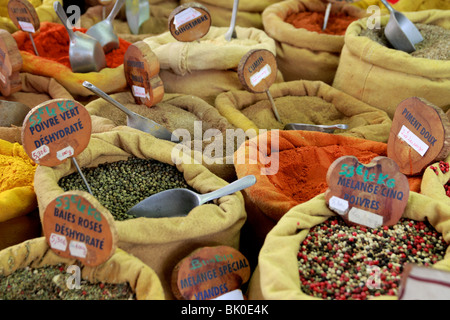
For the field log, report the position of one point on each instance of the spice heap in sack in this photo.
(296, 27)
(436, 181)
(312, 244)
(31, 271)
(383, 77)
(52, 43)
(17, 196)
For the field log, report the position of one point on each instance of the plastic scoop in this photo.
(135, 120)
(231, 33)
(179, 202)
(315, 127)
(104, 30)
(400, 31)
(85, 53)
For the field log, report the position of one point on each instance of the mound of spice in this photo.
(52, 42)
(435, 44)
(50, 283)
(120, 185)
(341, 262)
(313, 21)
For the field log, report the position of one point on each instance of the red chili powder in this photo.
(313, 21)
(52, 42)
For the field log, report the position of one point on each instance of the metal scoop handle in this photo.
(102, 94)
(115, 10)
(63, 17)
(233, 187)
(230, 31)
(387, 5)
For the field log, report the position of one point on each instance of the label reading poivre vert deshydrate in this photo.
(56, 130)
(372, 194)
(77, 226)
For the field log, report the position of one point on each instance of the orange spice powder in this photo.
(313, 21)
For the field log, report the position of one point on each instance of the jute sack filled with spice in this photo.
(421, 237)
(52, 44)
(17, 196)
(406, 5)
(296, 27)
(293, 172)
(44, 10)
(122, 268)
(435, 181)
(187, 115)
(158, 242)
(248, 14)
(383, 77)
(35, 90)
(302, 101)
(207, 67)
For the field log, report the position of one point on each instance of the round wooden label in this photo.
(10, 64)
(189, 22)
(372, 195)
(56, 130)
(76, 225)
(210, 272)
(420, 135)
(257, 70)
(141, 67)
(23, 15)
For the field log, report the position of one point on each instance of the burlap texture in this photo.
(121, 267)
(207, 67)
(364, 121)
(277, 276)
(383, 77)
(162, 242)
(248, 14)
(314, 55)
(406, 5)
(35, 90)
(175, 112)
(433, 184)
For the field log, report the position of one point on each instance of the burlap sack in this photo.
(109, 80)
(177, 113)
(363, 121)
(384, 77)
(120, 268)
(207, 67)
(44, 10)
(248, 14)
(277, 276)
(297, 159)
(314, 55)
(406, 5)
(434, 181)
(35, 90)
(161, 242)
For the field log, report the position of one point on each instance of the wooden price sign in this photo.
(210, 272)
(10, 64)
(24, 17)
(189, 22)
(76, 225)
(257, 71)
(420, 135)
(372, 195)
(141, 67)
(56, 130)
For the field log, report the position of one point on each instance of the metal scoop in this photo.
(85, 53)
(104, 30)
(137, 12)
(135, 120)
(315, 127)
(179, 202)
(400, 31)
(231, 33)
(327, 16)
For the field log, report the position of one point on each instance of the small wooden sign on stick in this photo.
(24, 17)
(372, 195)
(76, 225)
(257, 71)
(419, 136)
(141, 67)
(10, 64)
(189, 22)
